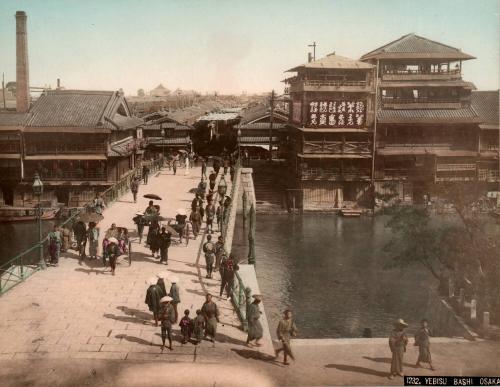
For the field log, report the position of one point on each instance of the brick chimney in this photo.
(22, 66)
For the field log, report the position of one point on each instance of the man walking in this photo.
(164, 240)
(422, 341)
(175, 294)
(145, 173)
(219, 251)
(210, 212)
(209, 250)
(285, 331)
(80, 232)
(175, 161)
(166, 316)
(134, 187)
(255, 330)
(228, 268)
(153, 298)
(55, 241)
(211, 314)
(211, 180)
(397, 343)
(203, 168)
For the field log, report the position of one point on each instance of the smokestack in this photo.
(22, 70)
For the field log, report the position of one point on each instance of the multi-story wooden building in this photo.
(176, 136)
(426, 131)
(80, 143)
(331, 131)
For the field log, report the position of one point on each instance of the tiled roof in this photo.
(73, 108)
(333, 61)
(219, 117)
(125, 122)
(261, 125)
(12, 119)
(486, 103)
(167, 123)
(122, 148)
(466, 114)
(414, 46)
(261, 112)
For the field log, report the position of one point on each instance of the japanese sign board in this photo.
(337, 114)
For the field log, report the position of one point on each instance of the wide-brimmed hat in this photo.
(257, 297)
(400, 322)
(163, 274)
(139, 213)
(151, 281)
(174, 279)
(166, 299)
(113, 240)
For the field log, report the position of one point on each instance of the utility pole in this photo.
(271, 121)
(314, 49)
(3, 91)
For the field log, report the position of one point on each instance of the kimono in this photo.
(153, 299)
(166, 315)
(65, 239)
(152, 239)
(422, 340)
(199, 327)
(176, 299)
(255, 330)
(211, 314)
(195, 219)
(397, 344)
(286, 329)
(93, 236)
(99, 205)
(161, 286)
(55, 241)
(186, 325)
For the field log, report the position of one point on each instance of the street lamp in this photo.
(222, 187)
(38, 191)
(239, 144)
(163, 146)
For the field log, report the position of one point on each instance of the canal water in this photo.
(329, 271)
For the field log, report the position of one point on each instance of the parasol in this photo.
(152, 196)
(182, 151)
(90, 217)
(171, 230)
(159, 218)
(194, 190)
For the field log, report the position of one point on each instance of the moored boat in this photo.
(17, 214)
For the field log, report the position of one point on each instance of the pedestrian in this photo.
(210, 213)
(166, 316)
(145, 173)
(164, 240)
(216, 166)
(140, 223)
(93, 237)
(203, 167)
(186, 164)
(228, 269)
(226, 165)
(175, 294)
(232, 171)
(226, 209)
(211, 180)
(152, 239)
(153, 298)
(66, 234)
(202, 188)
(218, 215)
(246, 158)
(134, 187)
(255, 330)
(99, 204)
(397, 343)
(186, 325)
(422, 341)
(150, 209)
(112, 252)
(80, 233)
(285, 331)
(174, 164)
(197, 202)
(55, 241)
(219, 251)
(195, 218)
(198, 326)
(162, 277)
(211, 315)
(209, 250)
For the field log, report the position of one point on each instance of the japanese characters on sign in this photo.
(297, 111)
(337, 114)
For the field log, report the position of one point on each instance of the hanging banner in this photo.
(337, 114)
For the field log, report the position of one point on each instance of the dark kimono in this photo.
(211, 314)
(162, 288)
(422, 340)
(153, 299)
(255, 330)
(186, 325)
(397, 344)
(199, 327)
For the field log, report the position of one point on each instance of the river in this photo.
(328, 270)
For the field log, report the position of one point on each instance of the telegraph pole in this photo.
(271, 121)
(314, 49)
(3, 90)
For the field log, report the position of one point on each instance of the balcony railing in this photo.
(333, 174)
(392, 173)
(54, 148)
(73, 174)
(489, 147)
(10, 147)
(415, 144)
(419, 72)
(337, 147)
(455, 167)
(320, 82)
(331, 85)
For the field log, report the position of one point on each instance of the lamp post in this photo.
(38, 191)
(163, 146)
(239, 144)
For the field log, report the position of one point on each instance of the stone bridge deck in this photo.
(82, 311)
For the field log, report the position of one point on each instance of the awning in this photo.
(66, 157)
(334, 156)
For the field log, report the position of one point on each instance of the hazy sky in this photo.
(230, 45)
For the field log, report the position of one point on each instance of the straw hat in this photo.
(174, 279)
(166, 299)
(113, 240)
(139, 213)
(151, 281)
(401, 322)
(163, 274)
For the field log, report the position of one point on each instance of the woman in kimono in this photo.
(422, 341)
(397, 343)
(198, 326)
(93, 237)
(153, 298)
(211, 314)
(255, 330)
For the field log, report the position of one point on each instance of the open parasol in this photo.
(171, 230)
(90, 217)
(152, 196)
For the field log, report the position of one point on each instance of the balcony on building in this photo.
(420, 71)
(67, 170)
(333, 169)
(424, 98)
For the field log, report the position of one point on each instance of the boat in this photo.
(351, 212)
(17, 214)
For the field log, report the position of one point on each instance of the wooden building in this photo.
(176, 136)
(427, 131)
(331, 131)
(80, 142)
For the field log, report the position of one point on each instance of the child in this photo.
(199, 327)
(186, 325)
(422, 340)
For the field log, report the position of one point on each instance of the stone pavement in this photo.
(82, 311)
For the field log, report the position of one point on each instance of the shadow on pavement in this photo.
(221, 338)
(387, 360)
(89, 271)
(137, 340)
(182, 272)
(135, 313)
(126, 319)
(362, 370)
(256, 355)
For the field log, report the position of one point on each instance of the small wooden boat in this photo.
(351, 212)
(17, 214)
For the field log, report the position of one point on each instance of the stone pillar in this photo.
(473, 309)
(22, 66)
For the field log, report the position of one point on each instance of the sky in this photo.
(230, 46)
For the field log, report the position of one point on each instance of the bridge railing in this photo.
(22, 266)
